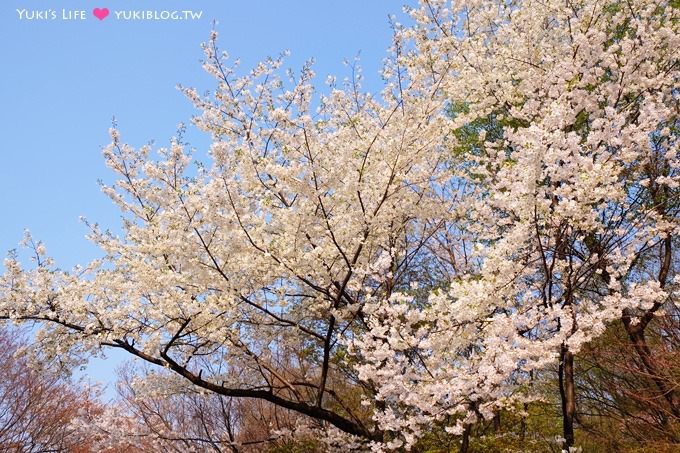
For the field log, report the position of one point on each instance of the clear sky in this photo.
(63, 78)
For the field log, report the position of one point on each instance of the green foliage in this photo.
(469, 138)
(298, 446)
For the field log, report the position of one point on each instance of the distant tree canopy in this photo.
(36, 406)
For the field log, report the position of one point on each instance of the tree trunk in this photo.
(523, 423)
(567, 396)
(465, 442)
(497, 423)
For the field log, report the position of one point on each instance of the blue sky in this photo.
(63, 81)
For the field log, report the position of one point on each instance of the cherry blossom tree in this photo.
(246, 276)
(570, 111)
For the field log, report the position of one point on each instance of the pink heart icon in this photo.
(100, 13)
